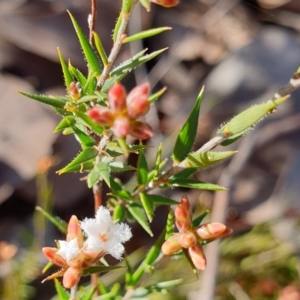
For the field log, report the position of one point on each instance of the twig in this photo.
(117, 46)
(92, 20)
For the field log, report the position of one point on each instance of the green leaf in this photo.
(117, 27)
(170, 225)
(90, 85)
(202, 160)
(82, 157)
(88, 121)
(157, 161)
(145, 34)
(168, 284)
(84, 167)
(67, 75)
(187, 134)
(142, 169)
(140, 217)
(156, 96)
(61, 292)
(184, 174)
(85, 140)
(197, 221)
(147, 205)
(194, 184)
(149, 260)
(100, 269)
(57, 222)
(100, 49)
(246, 120)
(118, 191)
(89, 295)
(64, 123)
(118, 166)
(159, 200)
(87, 98)
(56, 102)
(101, 170)
(78, 75)
(134, 62)
(88, 51)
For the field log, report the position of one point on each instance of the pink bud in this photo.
(141, 130)
(74, 231)
(187, 239)
(137, 101)
(117, 98)
(50, 254)
(166, 3)
(101, 115)
(171, 245)
(71, 277)
(210, 230)
(121, 127)
(183, 218)
(197, 256)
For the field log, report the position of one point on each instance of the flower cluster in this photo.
(166, 3)
(123, 111)
(189, 238)
(73, 255)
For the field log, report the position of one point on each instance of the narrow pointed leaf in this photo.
(100, 48)
(142, 169)
(135, 61)
(61, 292)
(168, 284)
(145, 34)
(197, 221)
(67, 75)
(118, 166)
(93, 178)
(156, 96)
(194, 184)
(90, 85)
(140, 217)
(55, 102)
(89, 295)
(84, 167)
(170, 225)
(159, 200)
(147, 205)
(157, 161)
(87, 98)
(78, 75)
(202, 160)
(57, 222)
(146, 4)
(187, 134)
(82, 137)
(119, 191)
(149, 260)
(64, 123)
(104, 171)
(88, 121)
(82, 157)
(246, 120)
(88, 51)
(117, 27)
(184, 174)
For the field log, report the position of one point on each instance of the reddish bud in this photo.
(197, 256)
(71, 277)
(117, 98)
(91, 257)
(101, 115)
(121, 127)
(210, 230)
(171, 245)
(166, 3)
(74, 92)
(137, 101)
(74, 231)
(187, 239)
(50, 254)
(141, 130)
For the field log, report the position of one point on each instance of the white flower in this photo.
(104, 235)
(68, 250)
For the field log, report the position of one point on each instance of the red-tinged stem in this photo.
(92, 21)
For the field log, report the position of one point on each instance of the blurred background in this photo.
(242, 51)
